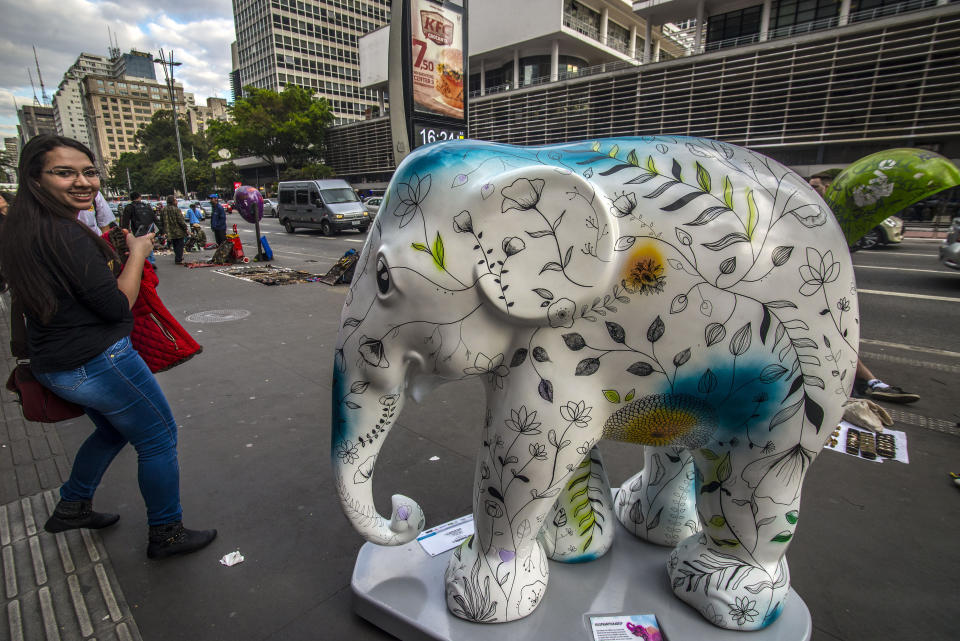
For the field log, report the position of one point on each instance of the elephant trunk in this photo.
(361, 422)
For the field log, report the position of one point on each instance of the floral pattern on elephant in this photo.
(682, 294)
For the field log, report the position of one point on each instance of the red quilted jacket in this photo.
(160, 339)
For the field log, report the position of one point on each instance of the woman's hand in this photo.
(141, 246)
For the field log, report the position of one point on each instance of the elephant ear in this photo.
(551, 233)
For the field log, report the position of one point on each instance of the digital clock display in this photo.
(424, 134)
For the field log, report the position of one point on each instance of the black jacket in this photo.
(137, 217)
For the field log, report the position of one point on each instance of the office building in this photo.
(117, 107)
(236, 89)
(136, 64)
(199, 115)
(810, 83)
(35, 120)
(12, 148)
(311, 44)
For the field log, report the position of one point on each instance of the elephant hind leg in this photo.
(579, 526)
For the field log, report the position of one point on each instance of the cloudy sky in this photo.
(198, 31)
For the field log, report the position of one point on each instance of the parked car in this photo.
(890, 231)
(950, 249)
(372, 205)
(330, 205)
(269, 208)
(228, 206)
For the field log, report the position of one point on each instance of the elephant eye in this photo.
(383, 276)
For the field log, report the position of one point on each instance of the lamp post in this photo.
(168, 66)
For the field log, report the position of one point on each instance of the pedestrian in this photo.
(218, 220)
(194, 214)
(99, 217)
(137, 217)
(865, 384)
(78, 327)
(175, 227)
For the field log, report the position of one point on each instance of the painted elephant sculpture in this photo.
(680, 293)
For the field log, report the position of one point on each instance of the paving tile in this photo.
(57, 586)
(27, 479)
(39, 446)
(21, 452)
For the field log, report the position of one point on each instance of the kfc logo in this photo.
(436, 28)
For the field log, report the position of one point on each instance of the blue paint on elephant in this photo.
(340, 427)
(745, 399)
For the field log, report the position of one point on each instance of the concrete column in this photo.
(656, 50)
(765, 21)
(483, 78)
(698, 37)
(633, 41)
(604, 19)
(647, 34)
(516, 68)
(845, 11)
(383, 109)
(554, 60)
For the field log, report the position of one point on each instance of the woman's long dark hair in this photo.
(33, 246)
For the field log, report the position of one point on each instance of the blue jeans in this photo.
(125, 403)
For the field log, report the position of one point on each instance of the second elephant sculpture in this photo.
(680, 293)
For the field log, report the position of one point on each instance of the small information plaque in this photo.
(438, 540)
(626, 627)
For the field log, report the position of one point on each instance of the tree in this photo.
(155, 169)
(290, 125)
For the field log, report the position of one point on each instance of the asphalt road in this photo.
(910, 322)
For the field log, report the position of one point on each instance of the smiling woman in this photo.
(66, 282)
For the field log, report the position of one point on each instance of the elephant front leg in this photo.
(501, 573)
(580, 525)
(658, 504)
(735, 572)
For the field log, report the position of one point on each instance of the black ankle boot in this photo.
(70, 515)
(172, 538)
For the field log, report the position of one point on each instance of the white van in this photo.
(328, 205)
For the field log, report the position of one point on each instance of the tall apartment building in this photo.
(12, 147)
(199, 115)
(68, 111)
(35, 120)
(117, 107)
(309, 43)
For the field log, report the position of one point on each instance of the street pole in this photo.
(168, 66)
(129, 184)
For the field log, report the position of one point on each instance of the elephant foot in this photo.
(497, 587)
(658, 504)
(727, 590)
(579, 526)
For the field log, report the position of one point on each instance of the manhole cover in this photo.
(218, 316)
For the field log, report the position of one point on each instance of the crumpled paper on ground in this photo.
(866, 414)
(232, 559)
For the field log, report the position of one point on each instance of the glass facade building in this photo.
(311, 44)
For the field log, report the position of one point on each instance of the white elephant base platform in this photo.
(401, 591)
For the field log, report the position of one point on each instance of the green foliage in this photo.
(290, 125)
(155, 169)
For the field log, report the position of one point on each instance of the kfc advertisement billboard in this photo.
(437, 55)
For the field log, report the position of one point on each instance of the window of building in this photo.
(742, 25)
(787, 13)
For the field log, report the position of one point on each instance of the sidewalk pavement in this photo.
(875, 555)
